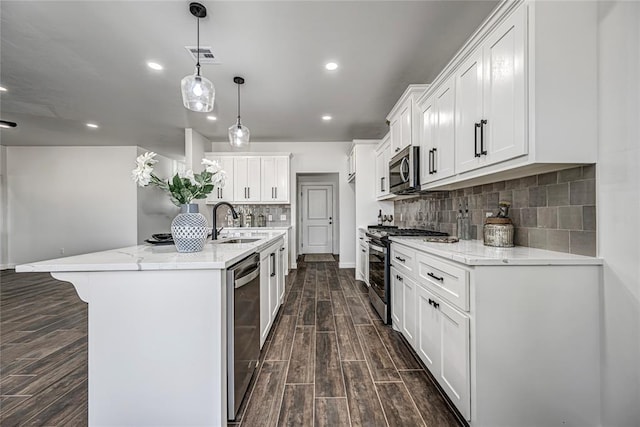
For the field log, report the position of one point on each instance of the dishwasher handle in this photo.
(240, 282)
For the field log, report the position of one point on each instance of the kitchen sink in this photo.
(237, 240)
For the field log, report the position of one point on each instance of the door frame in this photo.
(299, 213)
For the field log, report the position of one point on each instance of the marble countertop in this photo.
(474, 252)
(285, 227)
(214, 256)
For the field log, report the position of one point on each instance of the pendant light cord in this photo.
(238, 84)
(198, 47)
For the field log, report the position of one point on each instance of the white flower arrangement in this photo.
(184, 187)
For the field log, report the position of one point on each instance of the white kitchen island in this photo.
(157, 330)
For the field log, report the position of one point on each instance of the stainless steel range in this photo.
(380, 264)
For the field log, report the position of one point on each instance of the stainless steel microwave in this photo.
(404, 171)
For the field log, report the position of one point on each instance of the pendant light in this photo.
(198, 92)
(238, 133)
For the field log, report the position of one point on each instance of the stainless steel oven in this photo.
(404, 171)
(378, 271)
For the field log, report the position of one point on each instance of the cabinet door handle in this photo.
(430, 274)
(275, 190)
(436, 305)
(399, 278)
(430, 301)
(381, 184)
(400, 259)
(397, 149)
(363, 251)
(431, 162)
(482, 150)
(248, 192)
(475, 139)
(434, 160)
(273, 264)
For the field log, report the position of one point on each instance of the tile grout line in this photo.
(286, 371)
(335, 330)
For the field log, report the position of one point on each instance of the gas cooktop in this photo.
(381, 232)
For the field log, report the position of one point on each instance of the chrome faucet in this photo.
(214, 233)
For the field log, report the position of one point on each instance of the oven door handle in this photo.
(377, 248)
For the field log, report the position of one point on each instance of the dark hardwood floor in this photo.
(43, 352)
(328, 361)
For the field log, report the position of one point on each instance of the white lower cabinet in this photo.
(271, 287)
(409, 318)
(396, 300)
(510, 341)
(362, 258)
(443, 345)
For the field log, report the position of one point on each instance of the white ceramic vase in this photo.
(189, 229)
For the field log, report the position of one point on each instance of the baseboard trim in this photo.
(347, 265)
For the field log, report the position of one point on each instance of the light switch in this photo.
(283, 217)
(270, 218)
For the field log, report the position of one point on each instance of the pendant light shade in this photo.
(198, 93)
(238, 133)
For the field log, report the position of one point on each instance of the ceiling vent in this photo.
(206, 54)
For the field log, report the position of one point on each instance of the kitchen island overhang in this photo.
(156, 330)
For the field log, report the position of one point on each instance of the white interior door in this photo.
(317, 219)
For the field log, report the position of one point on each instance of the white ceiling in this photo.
(66, 63)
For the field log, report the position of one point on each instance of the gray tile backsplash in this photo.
(274, 210)
(554, 210)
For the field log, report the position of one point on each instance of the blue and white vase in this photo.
(189, 229)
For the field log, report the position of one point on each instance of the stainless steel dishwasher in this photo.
(243, 329)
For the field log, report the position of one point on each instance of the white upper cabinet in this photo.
(504, 80)
(404, 119)
(246, 177)
(490, 98)
(383, 155)
(223, 194)
(253, 178)
(437, 142)
(275, 179)
(468, 112)
(519, 106)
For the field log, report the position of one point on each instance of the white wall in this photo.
(316, 157)
(195, 145)
(81, 199)
(618, 204)
(154, 208)
(4, 260)
(333, 179)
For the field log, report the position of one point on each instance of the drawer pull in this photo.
(399, 278)
(441, 279)
(400, 259)
(433, 303)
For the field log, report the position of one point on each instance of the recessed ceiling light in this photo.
(326, 118)
(212, 118)
(155, 66)
(3, 89)
(331, 66)
(92, 125)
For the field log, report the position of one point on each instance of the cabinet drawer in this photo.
(404, 259)
(447, 280)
